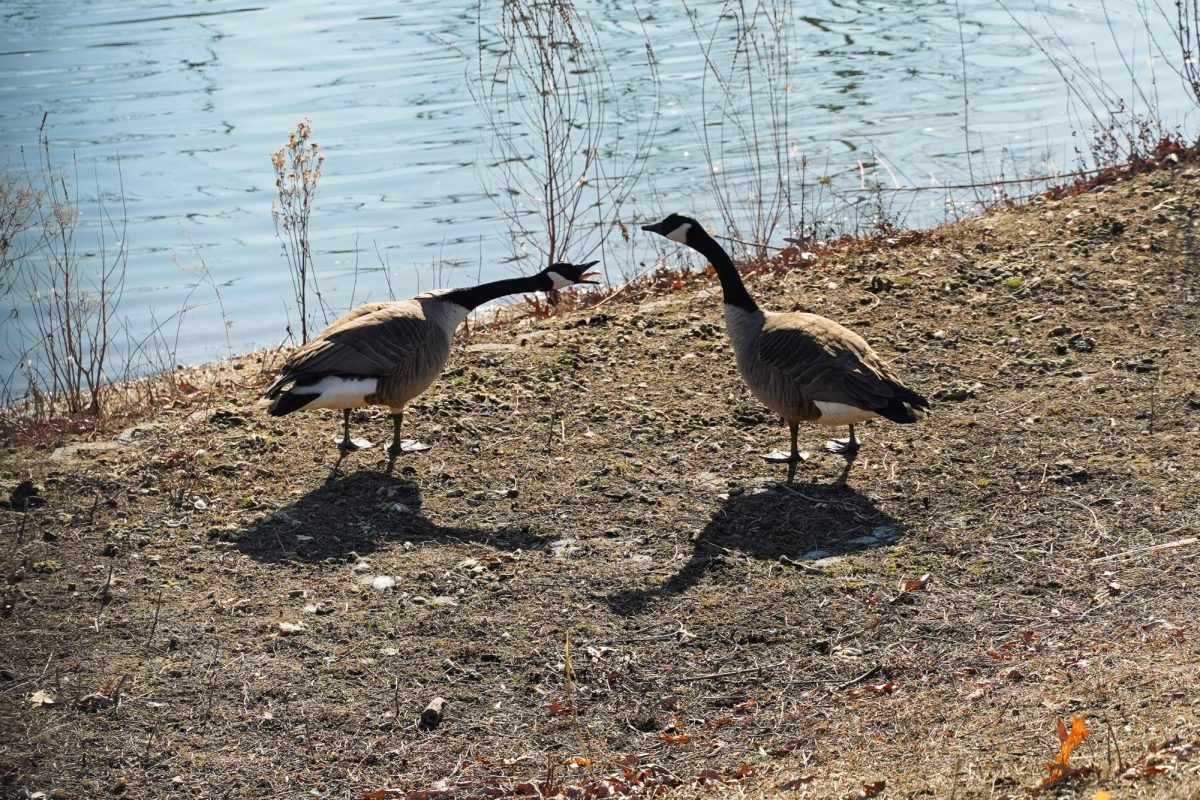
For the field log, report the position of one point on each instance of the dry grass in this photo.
(596, 476)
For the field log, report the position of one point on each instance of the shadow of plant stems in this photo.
(62, 304)
(783, 524)
(556, 129)
(297, 173)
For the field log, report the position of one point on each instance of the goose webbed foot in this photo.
(346, 444)
(778, 457)
(847, 448)
(791, 459)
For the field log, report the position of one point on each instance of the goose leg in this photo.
(394, 448)
(847, 448)
(791, 460)
(795, 456)
(346, 445)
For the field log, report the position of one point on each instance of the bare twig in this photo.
(154, 622)
(1141, 551)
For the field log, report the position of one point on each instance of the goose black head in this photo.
(561, 275)
(675, 227)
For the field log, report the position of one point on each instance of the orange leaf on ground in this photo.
(1060, 769)
(1069, 739)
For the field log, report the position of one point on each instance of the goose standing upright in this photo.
(804, 367)
(388, 353)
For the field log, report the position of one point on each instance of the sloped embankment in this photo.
(1019, 557)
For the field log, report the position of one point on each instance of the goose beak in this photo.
(655, 228)
(593, 274)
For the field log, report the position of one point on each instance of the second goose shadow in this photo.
(791, 524)
(355, 514)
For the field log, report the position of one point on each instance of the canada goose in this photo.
(388, 353)
(804, 367)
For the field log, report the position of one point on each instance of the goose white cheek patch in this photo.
(559, 281)
(335, 392)
(680, 233)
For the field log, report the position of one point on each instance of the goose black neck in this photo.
(475, 296)
(731, 282)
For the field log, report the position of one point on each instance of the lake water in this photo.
(174, 107)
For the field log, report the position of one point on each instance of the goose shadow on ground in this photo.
(799, 525)
(352, 515)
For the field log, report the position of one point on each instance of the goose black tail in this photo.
(905, 407)
(289, 402)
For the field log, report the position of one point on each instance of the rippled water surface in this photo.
(173, 107)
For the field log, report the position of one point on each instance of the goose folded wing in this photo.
(832, 365)
(380, 342)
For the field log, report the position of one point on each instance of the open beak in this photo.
(593, 274)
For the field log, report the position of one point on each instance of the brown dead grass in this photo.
(596, 475)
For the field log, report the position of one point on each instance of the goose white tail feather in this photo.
(337, 392)
(841, 413)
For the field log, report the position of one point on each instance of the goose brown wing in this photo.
(825, 361)
(378, 341)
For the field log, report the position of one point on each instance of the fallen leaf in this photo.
(41, 698)
(106, 698)
(872, 789)
(910, 586)
(1102, 795)
(796, 783)
(1060, 769)
(881, 688)
(674, 733)
(557, 708)
(1070, 738)
(291, 628)
(579, 761)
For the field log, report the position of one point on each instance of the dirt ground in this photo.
(211, 606)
